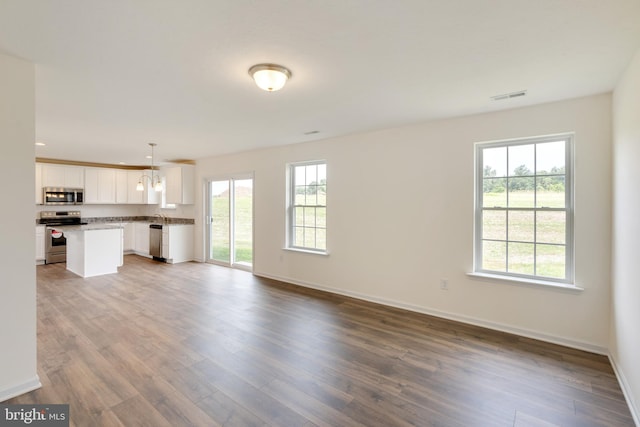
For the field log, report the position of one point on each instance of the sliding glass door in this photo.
(230, 221)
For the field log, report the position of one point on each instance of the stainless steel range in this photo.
(56, 242)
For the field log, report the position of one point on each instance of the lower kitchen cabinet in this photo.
(128, 237)
(177, 243)
(141, 245)
(40, 244)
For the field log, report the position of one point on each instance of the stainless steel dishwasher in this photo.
(155, 241)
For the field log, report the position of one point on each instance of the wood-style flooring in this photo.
(203, 345)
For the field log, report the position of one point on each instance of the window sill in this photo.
(523, 281)
(307, 251)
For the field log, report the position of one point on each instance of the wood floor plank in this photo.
(227, 412)
(307, 406)
(197, 344)
(138, 412)
(254, 399)
(526, 420)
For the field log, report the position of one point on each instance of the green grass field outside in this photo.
(220, 245)
(519, 242)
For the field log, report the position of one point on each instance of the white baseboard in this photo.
(580, 345)
(19, 389)
(626, 390)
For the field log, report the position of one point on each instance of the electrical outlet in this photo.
(444, 284)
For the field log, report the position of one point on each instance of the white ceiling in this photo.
(113, 75)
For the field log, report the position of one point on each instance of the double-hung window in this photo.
(524, 209)
(308, 206)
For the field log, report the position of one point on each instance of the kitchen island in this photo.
(94, 249)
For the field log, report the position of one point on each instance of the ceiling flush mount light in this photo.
(40, 144)
(270, 77)
(154, 181)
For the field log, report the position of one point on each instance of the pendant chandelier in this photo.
(154, 180)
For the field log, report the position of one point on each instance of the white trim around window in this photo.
(307, 207)
(524, 208)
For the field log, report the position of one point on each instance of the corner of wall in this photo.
(18, 370)
(624, 340)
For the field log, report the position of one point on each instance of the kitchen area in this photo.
(90, 216)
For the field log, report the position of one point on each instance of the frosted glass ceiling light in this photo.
(270, 77)
(154, 180)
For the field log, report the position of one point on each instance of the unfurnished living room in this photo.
(320, 213)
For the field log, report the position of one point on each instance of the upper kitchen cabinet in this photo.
(180, 182)
(126, 188)
(146, 197)
(62, 176)
(122, 186)
(134, 196)
(59, 176)
(100, 186)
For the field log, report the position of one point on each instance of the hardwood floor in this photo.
(202, 345)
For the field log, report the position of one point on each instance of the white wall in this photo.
(625, 316)
(400, 217)
(18, 279)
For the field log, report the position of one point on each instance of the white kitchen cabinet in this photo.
(180, 182)
(151, 196)
(91, 185)
(134, 196)
(177, 243)
(122, 186)
(142, 238)
(128, 237)
(94, 251)
(62, 176)
(38, 184)
(40, 244)
(100, 186)
(74, 177)
(147, 197)
(53, 176)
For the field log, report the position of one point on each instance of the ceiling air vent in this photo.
(509, 95)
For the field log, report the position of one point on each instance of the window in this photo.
(308, 206)
(524, 209)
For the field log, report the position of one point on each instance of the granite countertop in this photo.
(118, 219)
(149, 219)
(88, 227)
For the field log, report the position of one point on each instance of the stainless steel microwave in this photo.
(62, 196)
